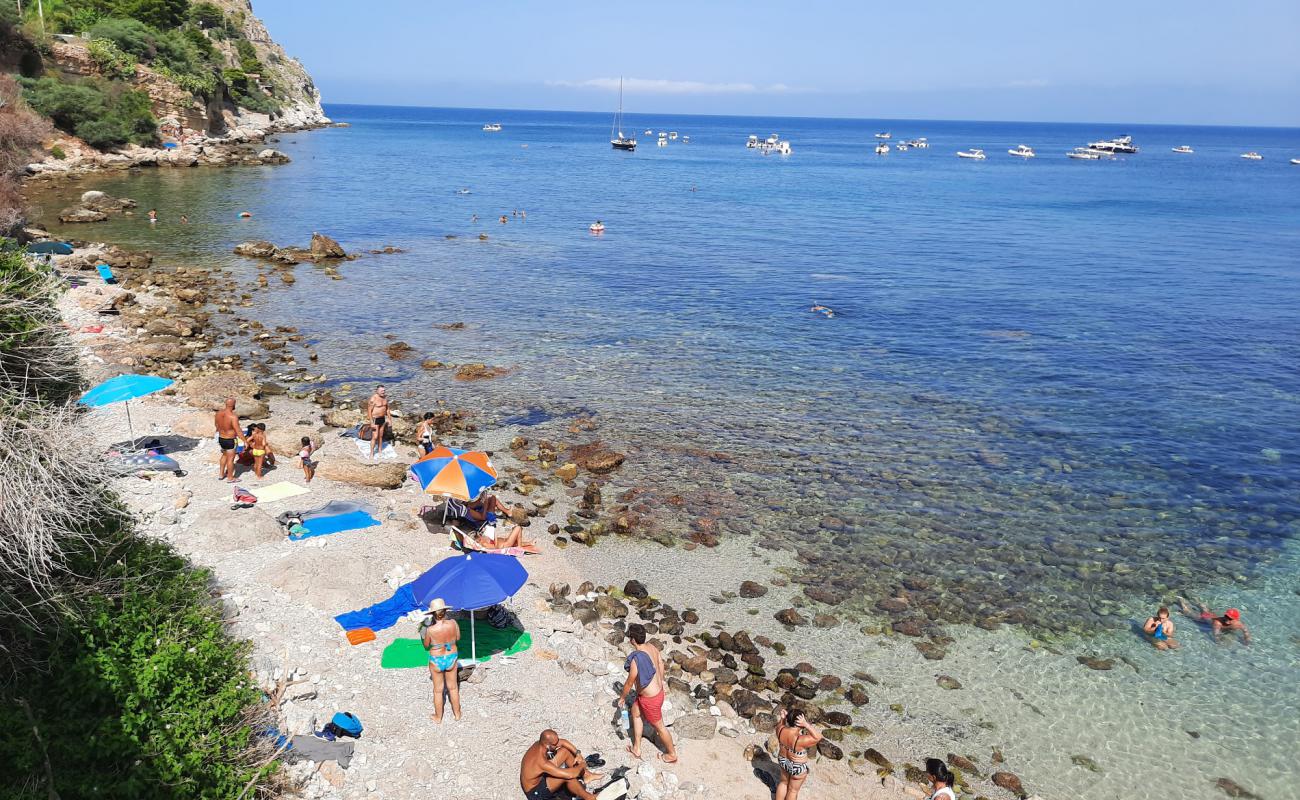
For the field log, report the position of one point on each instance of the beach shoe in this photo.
(594, 761)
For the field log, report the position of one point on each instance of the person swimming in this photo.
(1229, 622)
(1160, 629)
(825, 311)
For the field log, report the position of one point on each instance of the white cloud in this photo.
(662, 86)
(1031, 83)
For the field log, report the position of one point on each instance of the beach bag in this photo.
(345, 723)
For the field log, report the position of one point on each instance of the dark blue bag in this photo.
(346, 724)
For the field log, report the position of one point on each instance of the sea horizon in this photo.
(327, 105)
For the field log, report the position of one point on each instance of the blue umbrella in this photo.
(469, 582)
(122, 389)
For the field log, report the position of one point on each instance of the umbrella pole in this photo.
(130, 429)
(473, 640)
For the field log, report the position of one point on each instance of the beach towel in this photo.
(407, 653)
(387, 453)
(278, 491)
(106, 273)
(381, 615)
(320, 526)
(309, 748)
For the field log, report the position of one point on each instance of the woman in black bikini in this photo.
(796, 737)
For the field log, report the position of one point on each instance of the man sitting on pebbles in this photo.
(545, 770)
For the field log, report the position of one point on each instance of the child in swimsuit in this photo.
(1161, 630)
(305, 455)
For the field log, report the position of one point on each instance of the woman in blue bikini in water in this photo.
(439, 636)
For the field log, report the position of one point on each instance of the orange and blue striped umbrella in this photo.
(462, 474)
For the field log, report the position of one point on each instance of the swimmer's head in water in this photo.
(1232, 614)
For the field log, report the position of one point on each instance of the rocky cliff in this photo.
(196, 129)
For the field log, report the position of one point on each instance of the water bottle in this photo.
(623, 719)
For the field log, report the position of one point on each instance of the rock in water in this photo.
(875, 757)
(750, 589)
(1085, 762)
(1091, 662)
(271, 156)
(1232, 789)
(789, 616)
(948, 682)
(636, 590)
(964, 764)
(256, 249)
(323, 246)
(596, 457)
(829, 750)
(1009, 781)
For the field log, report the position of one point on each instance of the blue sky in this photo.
(1188, 62)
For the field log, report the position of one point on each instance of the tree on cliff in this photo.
(21, 133)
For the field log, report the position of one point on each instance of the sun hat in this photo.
(438, 604)
(1232, 613)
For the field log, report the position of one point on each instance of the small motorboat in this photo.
(753, 142)
(649, 132)
(462, 191)
(596, 227)
(1022, 150)
(974, 153)
(1296, 161)
(686, 140)
(663, 141)
(1084, 154)
(881, 149)
(1252, 156)
(672, 135)
(492, 127)
(901, 146)
(884, 135)
(1184, 148)
(921, 143)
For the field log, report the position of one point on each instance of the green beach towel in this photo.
(408, 653)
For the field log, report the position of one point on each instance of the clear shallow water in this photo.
(1056, 392)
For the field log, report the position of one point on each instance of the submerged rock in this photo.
(751, 589)
(788, 616)
(1092, 662)
(948, 682)
(1232, 789)
(1010, 782)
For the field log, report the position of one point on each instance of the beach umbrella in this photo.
(471, 582)
(50, 248)
(462, 474)
(123, 389)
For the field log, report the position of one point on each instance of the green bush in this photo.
(132, 36)
(57, 152)
(207, 15)
(103, 114)
(146, 695)
(111, 59)
(248, 60)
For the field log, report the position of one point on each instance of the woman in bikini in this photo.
(439, 636)
(424, 433)
(796, 737)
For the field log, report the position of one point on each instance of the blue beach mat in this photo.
(384, 614)
(320, 526)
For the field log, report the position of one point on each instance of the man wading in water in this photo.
(227, 424)
(645, 675)
(377, 411)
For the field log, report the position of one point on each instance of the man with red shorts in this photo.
(645, 675)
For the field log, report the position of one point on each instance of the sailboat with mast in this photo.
(619, 141)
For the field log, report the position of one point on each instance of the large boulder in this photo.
(226, 530)
(347, 470)
(195, 424)
(699, 725)
(211, 390)
(74, 215)
(323, 246)
(259, 248)
(272, 156)
(287, 440)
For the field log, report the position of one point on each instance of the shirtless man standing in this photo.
(544, 770)
(227, 424)
(377, 412)
(645, 670)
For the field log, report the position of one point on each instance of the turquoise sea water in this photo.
(1055, 392)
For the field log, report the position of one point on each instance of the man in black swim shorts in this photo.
(543, 771)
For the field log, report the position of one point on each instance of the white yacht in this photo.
(492, 127)
(672, 135)
(921, 143)
(753, 141)
(1123, 144)
(662, 141)
(902, 146)
(1184, 148)
(972, 153)
(882, 148)
(1252, 156)
(782, 148)
(1084, 153)
(1296, 161)
(649, 132)
(686, 140)
(884, 135)
(1022, 150)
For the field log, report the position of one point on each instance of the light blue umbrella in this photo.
(470, 582)
(123, 389)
